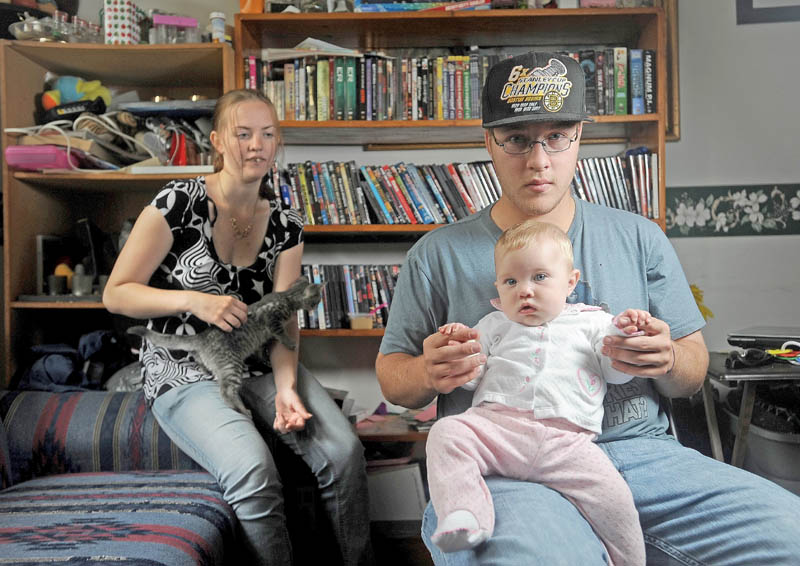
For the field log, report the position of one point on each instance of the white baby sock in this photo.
(459, 531)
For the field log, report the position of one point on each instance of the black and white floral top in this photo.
(192, 263)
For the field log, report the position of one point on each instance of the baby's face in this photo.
(534, 283)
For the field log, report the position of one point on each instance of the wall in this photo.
(738, 120)
(739, 126)
(89, 9)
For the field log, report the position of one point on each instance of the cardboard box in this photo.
(121, 22)
(396, 493)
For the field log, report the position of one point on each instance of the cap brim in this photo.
(555, 117)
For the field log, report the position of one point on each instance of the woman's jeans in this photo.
(229, 446)
(694, 510)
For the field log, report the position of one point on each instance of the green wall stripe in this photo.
(742, 210)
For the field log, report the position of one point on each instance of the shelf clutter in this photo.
(350, 292)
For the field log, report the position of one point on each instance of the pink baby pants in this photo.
(495, 440)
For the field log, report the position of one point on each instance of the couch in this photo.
(88, 477)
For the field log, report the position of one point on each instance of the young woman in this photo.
(202, 251)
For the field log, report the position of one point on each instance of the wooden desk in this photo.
(750, 377)
(392, 429)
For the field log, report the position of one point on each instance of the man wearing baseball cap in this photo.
(693, 509)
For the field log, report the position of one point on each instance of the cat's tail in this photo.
(168, 341)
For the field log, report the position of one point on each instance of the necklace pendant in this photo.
(240, 233)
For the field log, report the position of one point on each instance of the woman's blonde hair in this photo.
(223, 110)
(531, 232)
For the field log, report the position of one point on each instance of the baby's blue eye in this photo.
(540, 277)
(511, 282)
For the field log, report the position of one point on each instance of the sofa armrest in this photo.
(5, 459)
(86, 431)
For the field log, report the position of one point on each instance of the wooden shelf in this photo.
(376, 31)
(52, 203)
(189, 64)
(41, 305)
(378, 229)
(110, 182)
(342, 332)
(394, 132)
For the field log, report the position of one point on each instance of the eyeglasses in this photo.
(518, 144)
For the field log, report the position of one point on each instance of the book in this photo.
(338, 112)
(361, 84)
(609, 65)
(600, 81)
(416, 193)
(644, 176)
(334, 200)
(462, 5)
(317, 277)
(448, 188)
(649, 80)
(394, 175)
(322, 89)
(309, 198)
(311, 98)
(401, 205)
(441, 211)
(586, 58)
(655, 205)
(300, 95)
(462, 190)
(620, 80)
(309, 47)
(377, 199)
(447, 191)
(323, 206)
(350, 89)
(470, 184)
(636, 81)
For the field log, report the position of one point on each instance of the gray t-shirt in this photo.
(625, 260)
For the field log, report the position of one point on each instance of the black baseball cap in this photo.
(534, 87)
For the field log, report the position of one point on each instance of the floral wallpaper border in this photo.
(744, 210)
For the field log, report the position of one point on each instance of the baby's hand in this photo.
(450, 328)
(632, 322)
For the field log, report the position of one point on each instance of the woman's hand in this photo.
(290, 413)
(223, 311)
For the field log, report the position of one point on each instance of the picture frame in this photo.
(767, 11)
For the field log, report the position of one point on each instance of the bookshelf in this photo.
(36, 203)
(644, 28)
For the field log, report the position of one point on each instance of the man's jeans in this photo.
(229, 446)
(694, 511)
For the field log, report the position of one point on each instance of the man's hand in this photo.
(290, 413)
(452, 357)
(648, 349)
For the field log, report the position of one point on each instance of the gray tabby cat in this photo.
(223, 354)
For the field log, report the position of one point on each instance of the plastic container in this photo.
(360, 320)
(35, 157)
(772, 455)
(217, 21)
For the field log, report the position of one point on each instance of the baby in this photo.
(538, 403)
